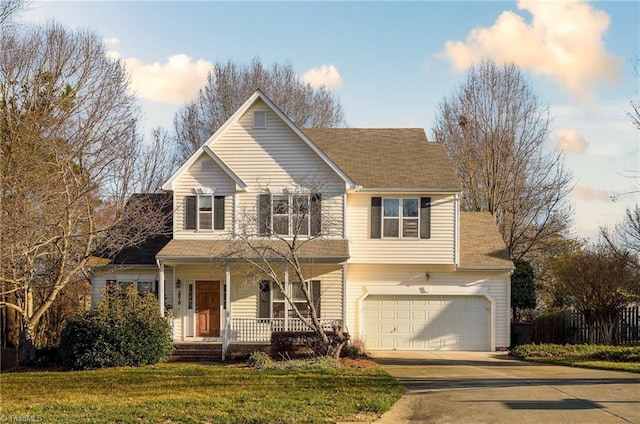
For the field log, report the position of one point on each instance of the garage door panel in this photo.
(427, 322)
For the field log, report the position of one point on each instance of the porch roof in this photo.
(317, 250)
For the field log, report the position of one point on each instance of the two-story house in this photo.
(389, 254)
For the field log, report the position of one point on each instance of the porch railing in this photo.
(260, 329)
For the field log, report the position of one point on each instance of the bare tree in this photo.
(154, 162)
(230, 84)
(291, 241)
(599, 282)
(494, 129)
(8, 9)
(634, 113)
(626, 235)
(67, 130)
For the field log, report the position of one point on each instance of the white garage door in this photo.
(427, 322)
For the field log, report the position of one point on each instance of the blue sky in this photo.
(391, 63)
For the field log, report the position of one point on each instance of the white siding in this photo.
(276, 157)
(439, 249)
(196, 177)
(360, 276)
(244, 292)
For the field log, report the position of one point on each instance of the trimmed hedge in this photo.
(286, 343)
(125, 330)
(583, 352)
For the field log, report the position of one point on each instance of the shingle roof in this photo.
(387, 158)
(318, 249)
(480, 242)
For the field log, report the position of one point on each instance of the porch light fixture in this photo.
(178, 284)
(427, 276)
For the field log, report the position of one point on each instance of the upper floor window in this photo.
(204, 212)
(289, 214)
(408, 218)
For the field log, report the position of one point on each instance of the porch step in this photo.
(197, 352)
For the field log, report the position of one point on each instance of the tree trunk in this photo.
(337, 342)
(27, 348)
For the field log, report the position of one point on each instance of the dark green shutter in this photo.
(425, 217)
(264, 299)
(316, 214)
(376, 217)
(218, 213)
(264, 214)
(190, 213)
(315, 296)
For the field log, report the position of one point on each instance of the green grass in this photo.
(192, 393)
(619, 358)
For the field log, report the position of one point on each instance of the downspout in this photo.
(160, 287)
(344, 298)
(456, 239)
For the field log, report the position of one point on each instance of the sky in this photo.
(392, 63)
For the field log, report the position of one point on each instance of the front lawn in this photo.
(621, 358)
(192, 393)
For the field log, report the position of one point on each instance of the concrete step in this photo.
(197, 352)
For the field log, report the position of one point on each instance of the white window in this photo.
(273, 302)
(142, 287)
(260, 119)
(288, 214)
(400, 217)
(205, 212)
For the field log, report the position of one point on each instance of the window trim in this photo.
(400, 218)
(273, 288)
(216, 201)
(291, 213)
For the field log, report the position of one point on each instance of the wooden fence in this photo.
(572, 327)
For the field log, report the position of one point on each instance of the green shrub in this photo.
(125, 330)
(577, 352)
(259, 360)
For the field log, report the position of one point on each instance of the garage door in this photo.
(427, 322)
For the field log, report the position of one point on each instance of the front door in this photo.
(208, 308)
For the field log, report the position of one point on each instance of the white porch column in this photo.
(161, 288)
(227, 292)
(286, 290)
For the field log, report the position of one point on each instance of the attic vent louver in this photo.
(260, 119)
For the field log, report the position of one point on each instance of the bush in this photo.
(125, 330)
(259, 360)
(582, 352)
(285, 344)
(355, 349)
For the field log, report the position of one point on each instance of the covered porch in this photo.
(214, 296)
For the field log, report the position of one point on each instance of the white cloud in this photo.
(176, 81)
(563, 42)
(325, 75)
(590, 193)
(569, 140)
(111, 41)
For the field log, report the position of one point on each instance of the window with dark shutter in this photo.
(190, 212)
(316, 214)
(425, 217)
(264, 214)
(218, 211)
(376, 217)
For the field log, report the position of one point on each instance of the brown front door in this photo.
(208, 308)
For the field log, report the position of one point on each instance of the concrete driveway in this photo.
(483, 387)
